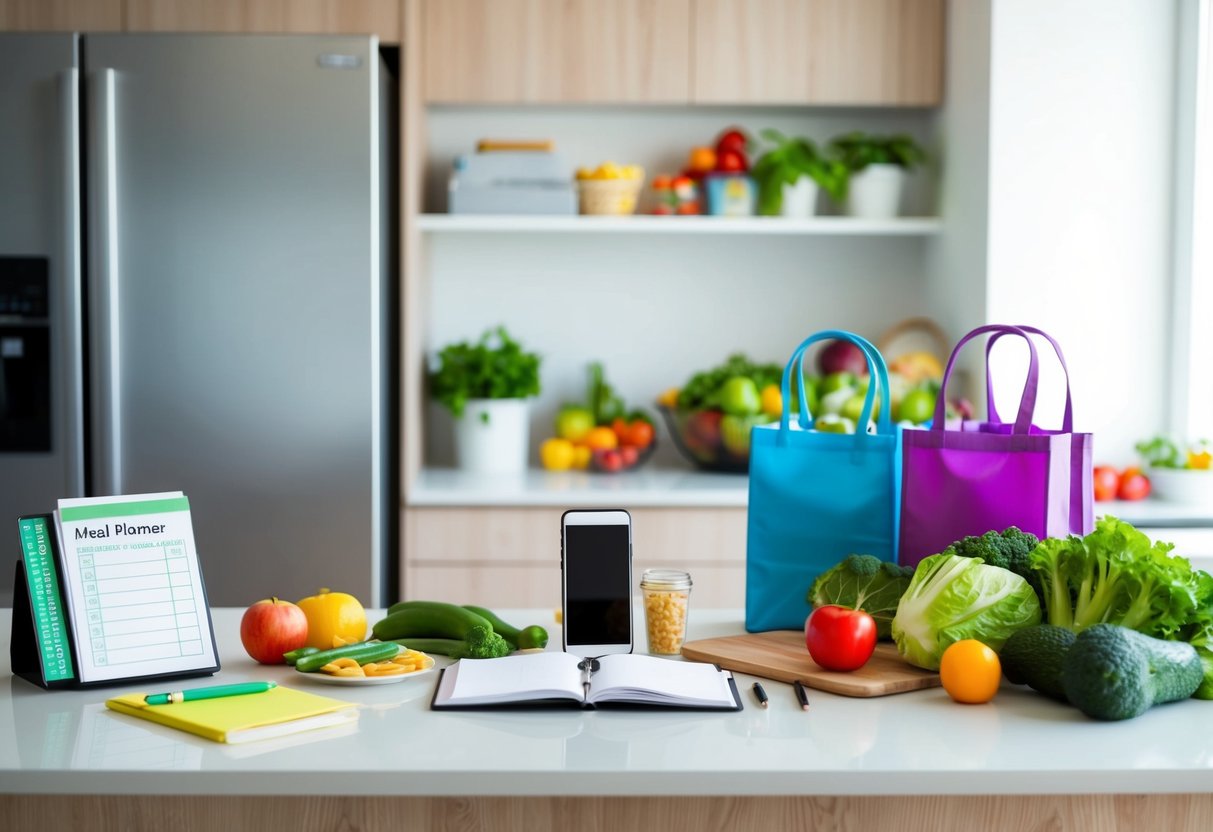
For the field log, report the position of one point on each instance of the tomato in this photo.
(970, 672)
(731, 161)
(1134, 485)
(733, 140)
(620, 426)
(1107, 481)
(839, 638)
(639, 434)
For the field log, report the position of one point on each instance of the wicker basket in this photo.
(609, 196)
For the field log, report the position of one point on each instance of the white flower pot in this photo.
(875, 192)
(491, 436)
(800, 199)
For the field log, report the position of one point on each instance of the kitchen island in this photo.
(913, 760)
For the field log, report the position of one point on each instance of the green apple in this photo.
(918, 406)
(573, 423)
(735, 434)
(833, 423)
(852, 408)
(837, 381)
(739, 396)
(833, 402)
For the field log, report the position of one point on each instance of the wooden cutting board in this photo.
(781, 655)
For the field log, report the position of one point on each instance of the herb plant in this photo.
(858, 150)
(788, 161)
(495, 367)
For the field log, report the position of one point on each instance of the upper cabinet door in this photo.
(334, 17)
(61, 15)
(552, 51)
(842, 52)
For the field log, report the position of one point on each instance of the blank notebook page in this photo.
(667, 677)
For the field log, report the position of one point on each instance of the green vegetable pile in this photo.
(863, 582)
(484, 370)
(702, 392)
(1009, 549)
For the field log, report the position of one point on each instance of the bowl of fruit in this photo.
(599, 434)
(1179, 474)
(711, 416)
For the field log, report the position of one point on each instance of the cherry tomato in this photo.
(970, 672)
(839, 638)
(1134, 485)
(1107, 481)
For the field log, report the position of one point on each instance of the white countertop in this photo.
(914, 743)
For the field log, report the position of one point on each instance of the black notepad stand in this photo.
(43, 645)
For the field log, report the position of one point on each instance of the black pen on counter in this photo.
(802, 695)
(761, 694)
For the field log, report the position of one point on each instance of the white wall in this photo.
(1080, 200)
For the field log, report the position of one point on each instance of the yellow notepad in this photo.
(235, 719)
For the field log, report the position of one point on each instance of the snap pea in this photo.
(362, 652)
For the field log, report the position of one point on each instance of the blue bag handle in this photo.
(876, 370)
(1027, 400)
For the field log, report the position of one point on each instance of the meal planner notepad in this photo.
(131, 600)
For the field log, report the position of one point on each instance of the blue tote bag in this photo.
(817, 497)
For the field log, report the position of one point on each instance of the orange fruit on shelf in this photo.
(970, 672)
(601, 438)
(702, 159)
(331, 616)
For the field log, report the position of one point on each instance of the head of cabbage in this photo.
(951, 598)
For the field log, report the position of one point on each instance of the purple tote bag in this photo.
(1082, 485)
(963, 482)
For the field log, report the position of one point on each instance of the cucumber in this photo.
(362, 652)
(295, 655)
(427, 619)
(529, 638)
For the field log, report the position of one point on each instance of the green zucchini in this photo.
(427, 619)
(295, 655)
(363, 652)
(529, 638)
(440, 646)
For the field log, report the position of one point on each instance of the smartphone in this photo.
(596, 570)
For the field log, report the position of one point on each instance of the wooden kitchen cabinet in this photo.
(378, 17)
(824, 52)
(556, 51)
(61, 15)
(510, 557)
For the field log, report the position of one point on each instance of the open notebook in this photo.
(562, 678)
(236, 719)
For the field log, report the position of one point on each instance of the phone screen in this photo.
(597, 576)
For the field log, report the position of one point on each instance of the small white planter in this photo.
(800, 199)
(875, 192)
(491, 436)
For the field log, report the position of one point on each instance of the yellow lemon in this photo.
(333, 615)
(556, 454)
(581, 457)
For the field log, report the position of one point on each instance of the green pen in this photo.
(208, 693)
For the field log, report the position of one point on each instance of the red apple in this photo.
(842, 357)
(1134, 485)
(1107, 482)
(272, 627)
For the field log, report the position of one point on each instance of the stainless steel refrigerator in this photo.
(197, 292)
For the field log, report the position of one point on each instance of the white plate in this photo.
(326, 679)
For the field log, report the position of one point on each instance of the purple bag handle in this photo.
(1067, 420)
(1027, 401)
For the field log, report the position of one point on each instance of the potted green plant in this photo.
(790, 173)
(486, 385)
(877, 167)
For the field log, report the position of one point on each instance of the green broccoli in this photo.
(863, 582)
(1008, 549)
(480, 643)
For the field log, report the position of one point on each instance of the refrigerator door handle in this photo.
(103, 150)
(69, 112)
